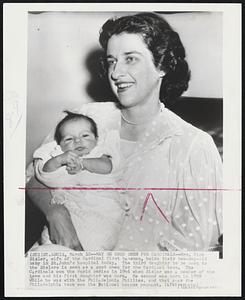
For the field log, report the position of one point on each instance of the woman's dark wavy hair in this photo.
(164, 44)
(73, 116)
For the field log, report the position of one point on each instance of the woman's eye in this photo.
(130, 59)
(111, 62)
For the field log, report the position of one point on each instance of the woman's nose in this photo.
(117, 71)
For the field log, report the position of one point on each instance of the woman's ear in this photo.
(161, 74)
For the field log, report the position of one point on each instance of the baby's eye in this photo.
(85, 135)
(68, 139)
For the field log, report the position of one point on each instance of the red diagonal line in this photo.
(145, 203)
(161, 212)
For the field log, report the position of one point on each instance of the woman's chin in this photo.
(126, 102)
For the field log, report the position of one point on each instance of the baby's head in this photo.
(76, 132)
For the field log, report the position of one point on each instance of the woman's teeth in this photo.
(124, 85)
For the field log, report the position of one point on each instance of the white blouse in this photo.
(170, 183)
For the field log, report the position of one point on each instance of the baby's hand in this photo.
(73, 170)
(75, 166)
(68, 158)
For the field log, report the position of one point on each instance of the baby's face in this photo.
(77, 135)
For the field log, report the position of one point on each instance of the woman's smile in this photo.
(132, 74)
(123, 86)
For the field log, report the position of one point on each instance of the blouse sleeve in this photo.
(57, 178)
(47, 151)
(40, 156)
(196, 219)
(111, 147)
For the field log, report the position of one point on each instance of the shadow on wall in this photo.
(204, 113)
(98, 87)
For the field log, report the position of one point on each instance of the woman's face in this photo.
(132, 74)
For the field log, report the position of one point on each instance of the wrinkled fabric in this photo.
(178, 169)
(96, 215)
(179, 165)
(182, 170)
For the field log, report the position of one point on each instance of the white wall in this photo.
(59, 43)
(201, 34)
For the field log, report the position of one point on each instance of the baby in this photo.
(78, 163)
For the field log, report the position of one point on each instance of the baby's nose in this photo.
(78, 139)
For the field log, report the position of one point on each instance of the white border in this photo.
(15, 66)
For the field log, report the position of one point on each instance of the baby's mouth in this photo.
(80, 149)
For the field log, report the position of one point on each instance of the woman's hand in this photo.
(61, 229)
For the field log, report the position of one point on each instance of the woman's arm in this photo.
(197, 207)
(61, 229)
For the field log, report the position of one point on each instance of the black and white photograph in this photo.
(124, 145)
(134, 129)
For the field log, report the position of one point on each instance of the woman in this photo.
(170, 171)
